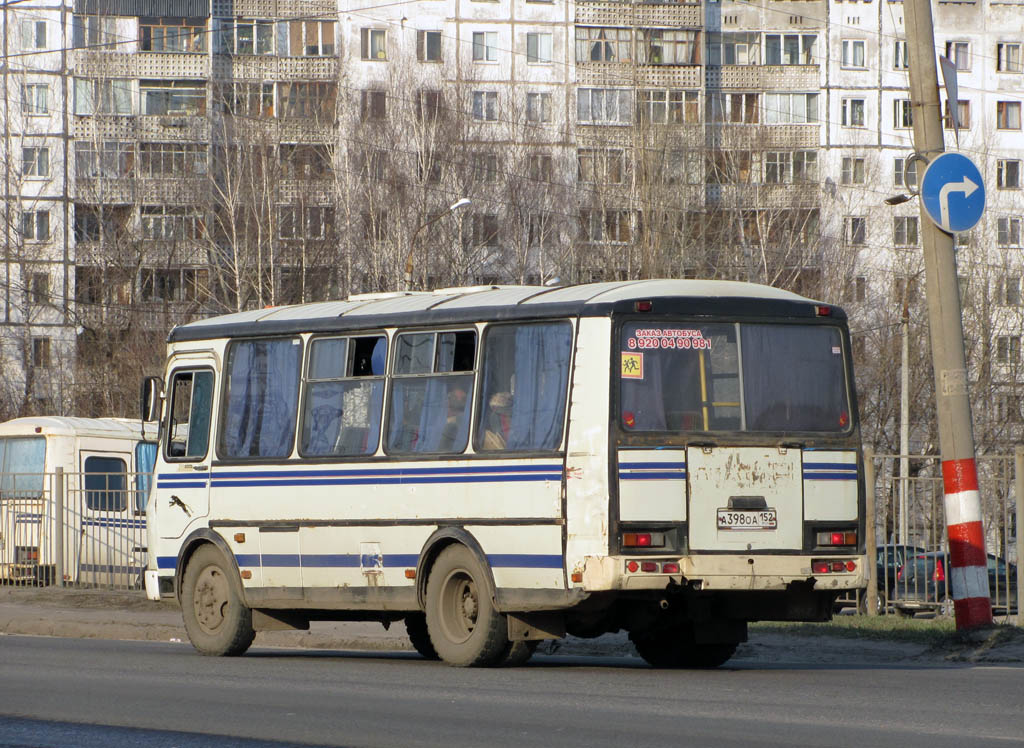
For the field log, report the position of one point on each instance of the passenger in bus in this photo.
(499, 421)
(458, 402)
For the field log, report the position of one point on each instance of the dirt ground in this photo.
(53, 611)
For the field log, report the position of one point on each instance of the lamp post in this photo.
(462, 202)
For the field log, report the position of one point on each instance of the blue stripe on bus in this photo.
(270, 480)
(138, 524)
(830, 466)
(353, 560)
(652, 465)
(830, 476)
(389, 471)
(180, 484)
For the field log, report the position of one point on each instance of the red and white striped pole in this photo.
(968, 571)
(967, 557)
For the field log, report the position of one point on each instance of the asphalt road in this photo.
(63, 692)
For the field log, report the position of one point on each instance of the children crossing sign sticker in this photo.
(953, 192)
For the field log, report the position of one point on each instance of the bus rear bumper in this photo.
(722, 572)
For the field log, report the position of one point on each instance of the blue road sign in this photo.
(953, 192)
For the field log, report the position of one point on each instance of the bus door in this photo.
(109, 529)
(182, 489)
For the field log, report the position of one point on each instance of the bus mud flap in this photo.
(535, 626)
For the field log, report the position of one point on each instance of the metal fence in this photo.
(912, 572)
(80, 529)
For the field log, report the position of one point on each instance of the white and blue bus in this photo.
(501, 465)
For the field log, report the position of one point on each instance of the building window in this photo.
(855, 230)
(35, 98)
(301, 160)
(311, 222)
(790, 167)
(1008, 290)
(538, 107)
(661, 107)
(1008, 232)
(428, 46)
(485, 167)
(35, 225)
(172, 35)
(606, 226)
(538, 47)
(246, 36)
(852, 170)
(35, 161)
(540, 167)
(668, 46)
(94, 32)
(482, 230)
(1008, 115)
(39, 288)
(963, 115)
(900, 58)
(853, 53)
(858, 289)
(607, 106)
(248, 99)
(959, 53)
(311, 38)
(904, 288)
(1008, 349)
(429, 105)
(790, 108)
(172, 284)
(41, 353)
(734, 107)
(1008, 174)
(307, 100)
(1010, 408)
(485, 106)
(904, 172)
(370, 163)
(902, 114)
(904, 231)
(789, 49)
(103, 96)
(171, 223)
(853, 113)
(373, 105)
(1008, 57)
(600, 44)
(733, 49)
(172, 97)
(373, 44)
(33, 34)
(163, 160)
(485, 46)
(601, 165)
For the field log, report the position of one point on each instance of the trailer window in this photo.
(21, 466)
(106, 484)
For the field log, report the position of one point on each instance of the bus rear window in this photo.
(682, 377)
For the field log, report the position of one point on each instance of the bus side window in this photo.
(344, 396)
(188, 434)
(524, 384)
(106, 484)
(431, 392)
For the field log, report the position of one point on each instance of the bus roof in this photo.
(124, 428)
(461, 305)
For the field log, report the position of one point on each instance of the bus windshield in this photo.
(686, 377)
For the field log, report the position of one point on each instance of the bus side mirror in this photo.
(149, 399)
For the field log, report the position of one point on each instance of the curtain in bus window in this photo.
(145, 459)
(21, 465)
(263, 390)
(199, 415)
(542, 355)
(793, 378)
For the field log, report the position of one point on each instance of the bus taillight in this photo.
(643, 540)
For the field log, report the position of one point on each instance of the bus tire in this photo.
(217, 621)
(666, 648)
(416, 627)
(464, 626)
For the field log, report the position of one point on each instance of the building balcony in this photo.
(615, 74)
(93, 63)
(764, 77)
(657, 14)
(270, 67)
(730, 136)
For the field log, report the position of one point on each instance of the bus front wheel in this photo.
(464, 626)
(216, 619)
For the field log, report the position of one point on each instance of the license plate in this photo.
(747, 519)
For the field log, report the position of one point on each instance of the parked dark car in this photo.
(923, 583)
(888, 560)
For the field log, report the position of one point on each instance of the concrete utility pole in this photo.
(968, 560)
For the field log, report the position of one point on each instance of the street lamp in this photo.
(462, 202)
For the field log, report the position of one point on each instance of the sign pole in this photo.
(960, 474)
(968, 560)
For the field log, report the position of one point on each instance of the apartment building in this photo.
(180, 158)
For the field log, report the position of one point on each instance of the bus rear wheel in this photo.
(216, 619)
(674, 648)
(464, 626)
